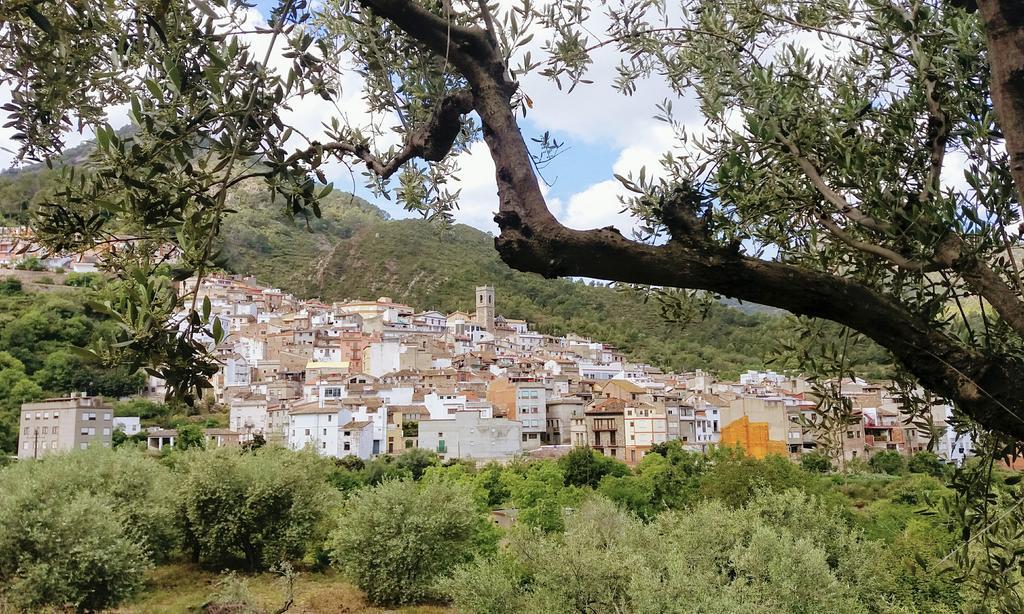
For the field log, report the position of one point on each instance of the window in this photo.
(46, 415)
(44, 430)
(26, 430)
(329, 417)
(347, 446)
(106, 431)
(24, 446)
(54, 430)
(83, 446)
(323, 445)
(325, 432)
(106, 416)
(307, 432)
(348, 433)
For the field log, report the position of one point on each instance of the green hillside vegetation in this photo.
(37, 333)
(355, 251)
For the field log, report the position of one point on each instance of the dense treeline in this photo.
(37, 333)
(354, 251)
(681, 532)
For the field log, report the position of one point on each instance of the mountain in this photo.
(355, 251)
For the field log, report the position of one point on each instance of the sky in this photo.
(603, 132)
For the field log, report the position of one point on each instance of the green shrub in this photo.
(928, 463)
(395, 539)
(781, 552)
(585, 467)
(84, 280)
(32, 263)
(415, 461)
(81, 528)
(10, 285)
(190, 436)
(254, 509)
(888, 461)
(71, 551)
(816, 462)
(735, 478)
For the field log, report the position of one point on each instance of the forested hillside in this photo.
(354, 251)
(37, 332)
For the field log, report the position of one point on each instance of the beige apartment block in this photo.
(63, 424)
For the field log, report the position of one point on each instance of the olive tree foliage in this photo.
(253, 510)
(82, 528)
(781, 552)
(396, 538)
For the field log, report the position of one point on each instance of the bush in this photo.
(395, 539)
(71, 551)
(816, 462)
(84, 280)
(736, 479)
(190, 436)
(32, 263)
(81, 528)
(254, 509)
(10, 286)
(928, 463)
(415, 461)
(585, 467)
(887, 461)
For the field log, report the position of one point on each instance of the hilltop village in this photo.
(370, 377)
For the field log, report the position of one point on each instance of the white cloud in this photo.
(596, 207)
(478, 201)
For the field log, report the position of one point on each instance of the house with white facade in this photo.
(248, 414)
(468, 436)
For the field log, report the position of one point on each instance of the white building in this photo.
(445, 406)
(128, 425)
(310, 425)
(531, 410)
(469, 436)
(248, 414)
(356, 438)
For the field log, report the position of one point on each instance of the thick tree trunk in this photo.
(989, 389)
(1004, 28)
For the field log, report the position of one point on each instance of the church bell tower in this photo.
(485, 307)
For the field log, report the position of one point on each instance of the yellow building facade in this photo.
(753, 437)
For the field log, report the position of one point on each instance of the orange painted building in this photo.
(752, 437)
